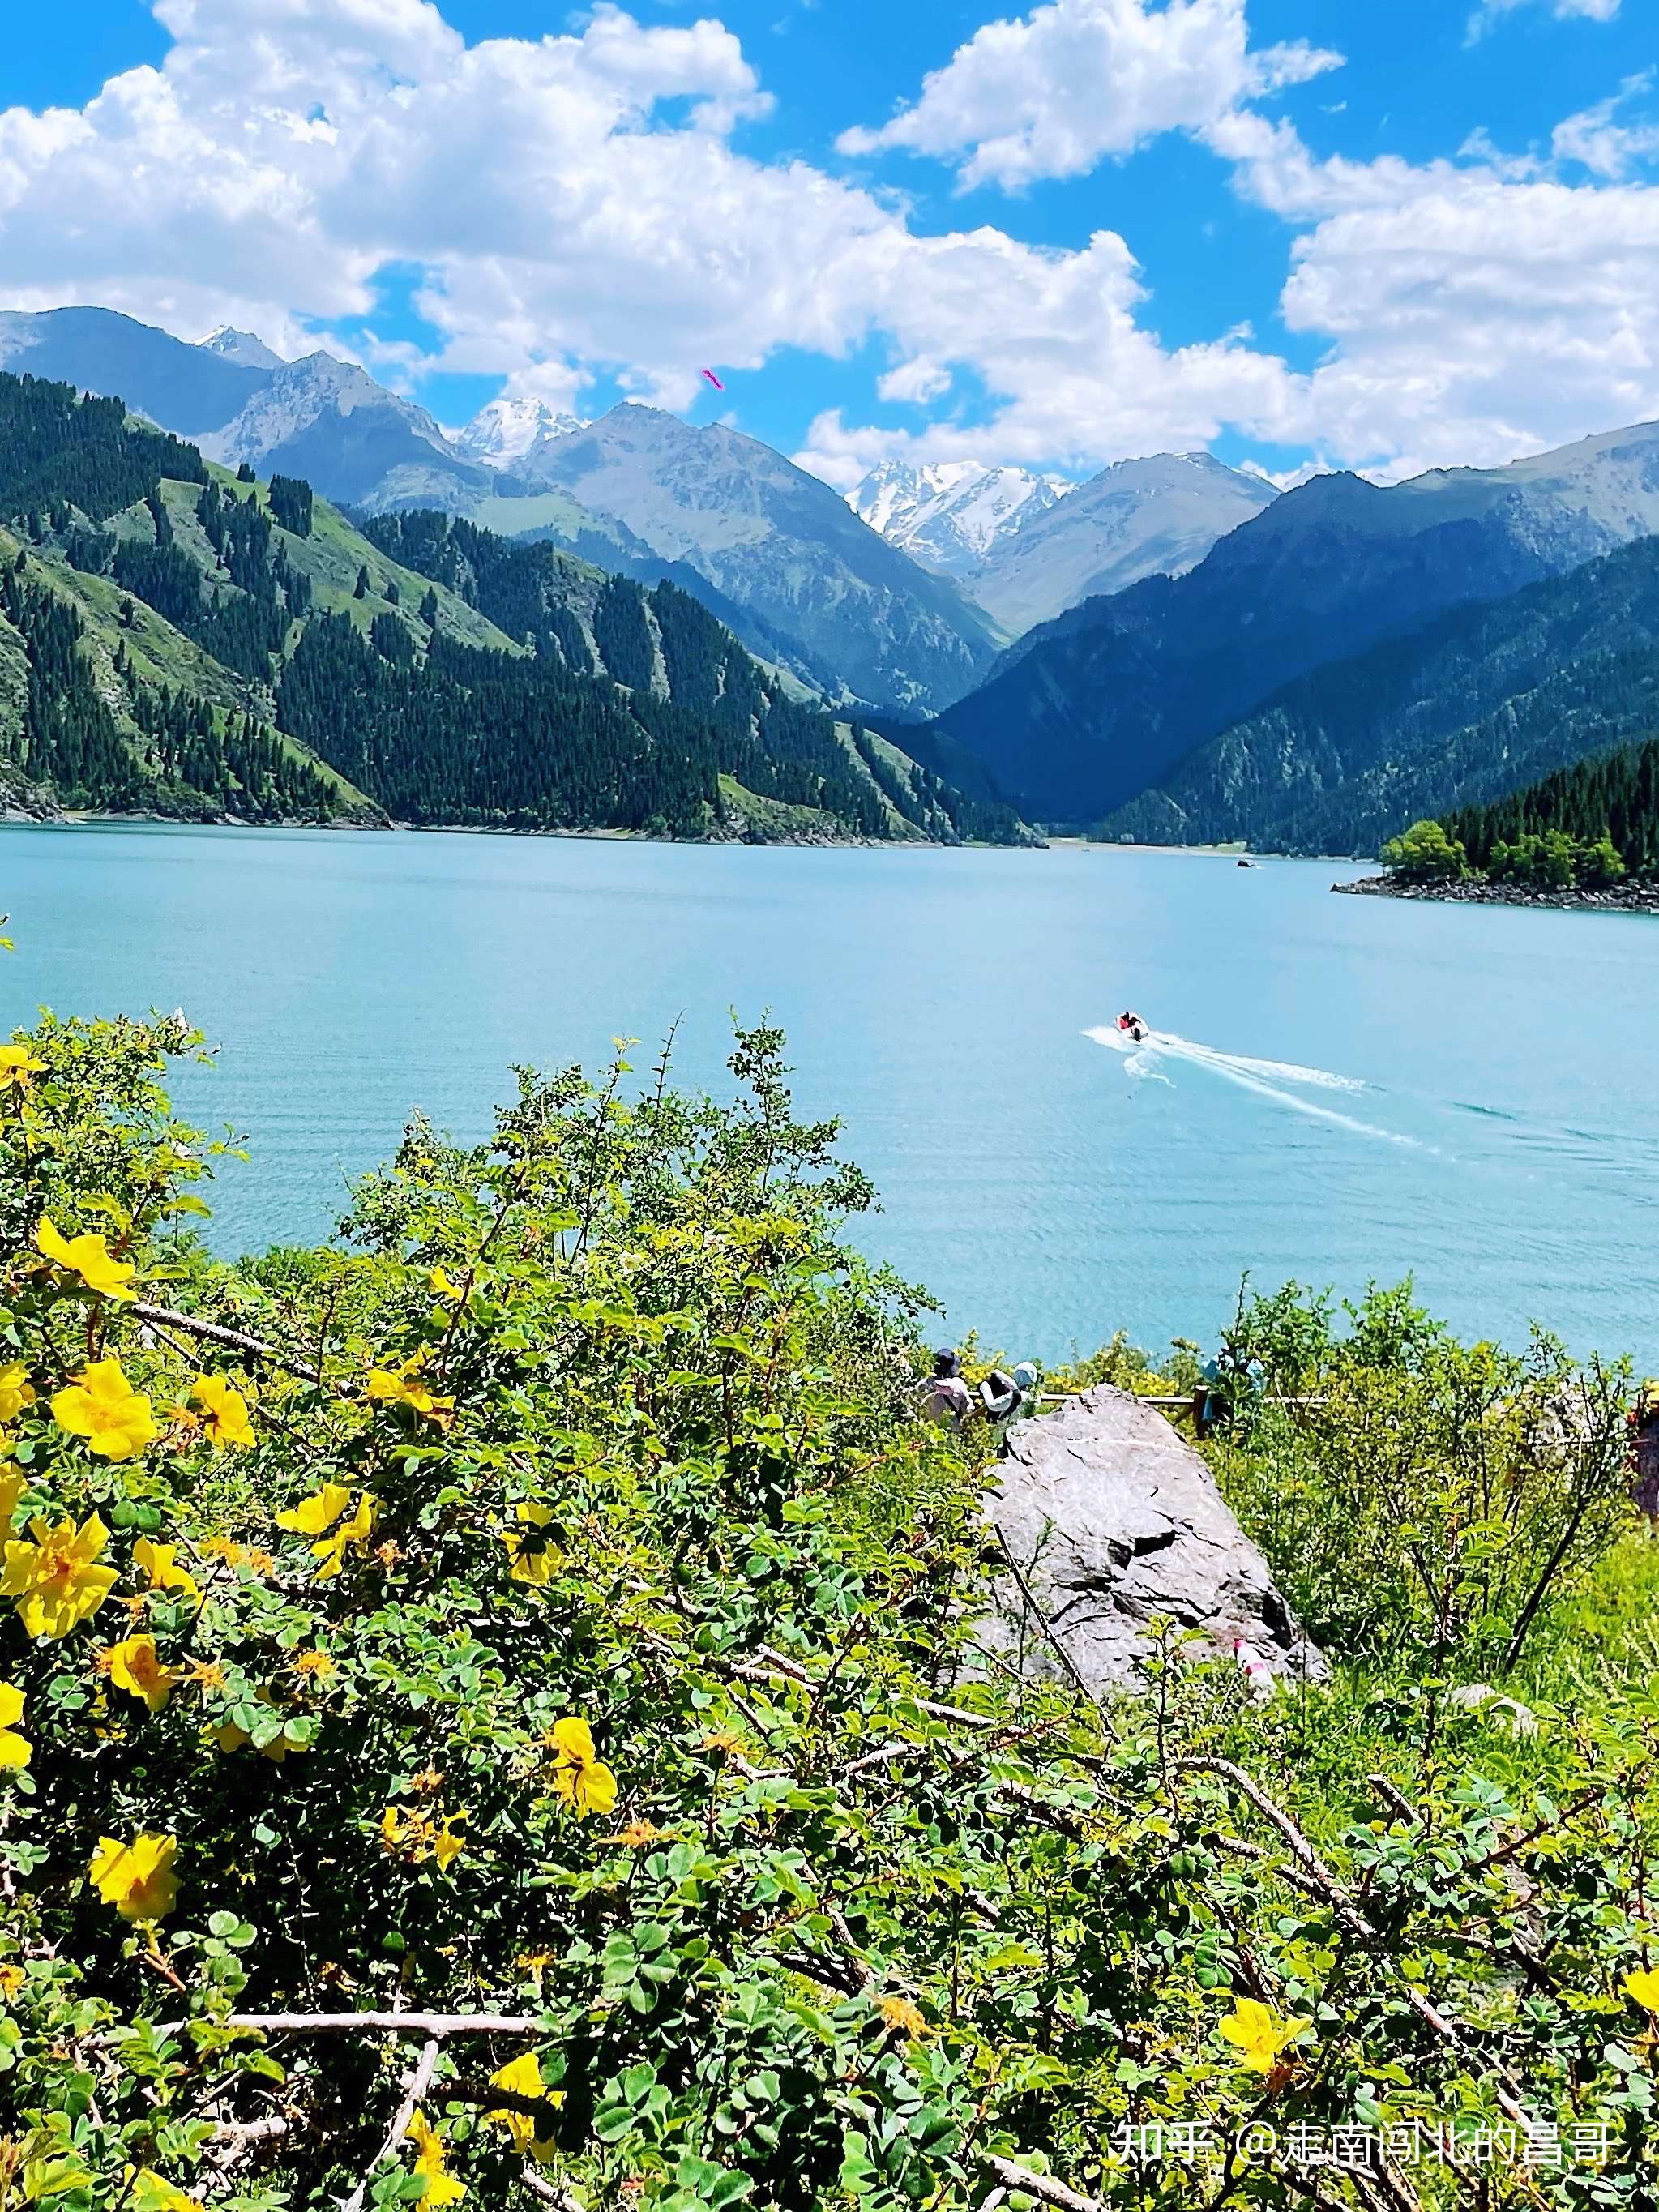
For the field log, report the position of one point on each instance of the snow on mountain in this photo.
(1157, 517)
(842, 604)
(949, 514)
(241, 347)
(502, 433)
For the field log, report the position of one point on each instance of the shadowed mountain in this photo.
(1094, 707)
(1480, 700)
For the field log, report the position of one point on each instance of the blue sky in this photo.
(1465, 218)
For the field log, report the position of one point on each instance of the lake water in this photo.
(1501, 1141)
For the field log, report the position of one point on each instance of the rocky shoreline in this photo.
(1621, 898)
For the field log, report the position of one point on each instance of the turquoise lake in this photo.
(1470, 1094)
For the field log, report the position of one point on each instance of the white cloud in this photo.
(1077, 81)
(1600, 142)
(567, 224)
(1470, 312)
(1490, 12)
(288, 150)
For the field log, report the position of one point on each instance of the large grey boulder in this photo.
(1112, 1520)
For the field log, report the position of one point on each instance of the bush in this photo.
(490, 1706)
(1422, 1502)
(1424, 854)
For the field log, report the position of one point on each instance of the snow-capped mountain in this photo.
(949, 514)
(241, 347)
(838, 601)
(502, 433)
(1157, 517)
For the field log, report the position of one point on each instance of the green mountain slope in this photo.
(1481, 700)
(177, 639)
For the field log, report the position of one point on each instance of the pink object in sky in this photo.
(714, 379)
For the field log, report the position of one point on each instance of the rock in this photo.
(1113, 1520)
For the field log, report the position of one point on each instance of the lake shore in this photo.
(1620, 898)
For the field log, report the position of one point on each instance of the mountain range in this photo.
(1092, 709)
(773, 551)
(1485, 698)
(1172, 650)
(1027, 547)
(188, 642)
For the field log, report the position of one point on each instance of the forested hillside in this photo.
(1475, 703)
(177, 640)
(1612, 802)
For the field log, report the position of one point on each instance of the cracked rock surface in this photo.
(1113, 1519)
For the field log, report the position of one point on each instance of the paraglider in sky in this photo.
(714, 379)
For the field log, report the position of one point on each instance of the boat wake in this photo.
(1282, 1081)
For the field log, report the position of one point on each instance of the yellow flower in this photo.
(329, 1554)
(441, 2186)
(157, 1562)
(14, 1749)
(101, 1406)
(11, 1489)
(579, 1776)
(899, 2012)
(318, 1511)
(18, 1068)
(522, 2077)
(227, 1421)
(15, 1392)
(1259, 2034)
(12, 1978)
(53, 1580)
(89, 1257)
(409, 1834)
(229, 1738)
(136, 1878)
(314, 1665)
(1645, 1988)
(402, 1386)
(134, 1665)
(533, 1557)
(208, 1675)
(153, 2192)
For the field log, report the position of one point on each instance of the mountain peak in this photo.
(950, 514)
(504, 432)
(241, 347)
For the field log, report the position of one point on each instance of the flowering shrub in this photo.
(490, 1711)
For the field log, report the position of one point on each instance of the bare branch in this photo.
(1039, 2184)
(416, 2082)
(435, 2026)
(234, 1339)
(1396, 1801)
(1047, 1627)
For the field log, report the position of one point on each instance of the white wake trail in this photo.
(1271, 1071)
(1251, 1075)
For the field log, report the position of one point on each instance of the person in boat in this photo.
(1133, 1026)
